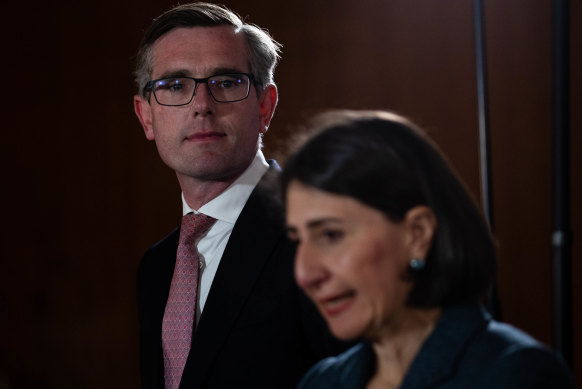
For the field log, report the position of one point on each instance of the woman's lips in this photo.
(336, 304)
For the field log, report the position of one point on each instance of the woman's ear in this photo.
(420, 222)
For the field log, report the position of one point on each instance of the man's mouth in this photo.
(205, 136)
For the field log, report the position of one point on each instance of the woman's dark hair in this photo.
(386, 162)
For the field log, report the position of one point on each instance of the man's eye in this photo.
(170, 85)
(227, 84)
(176, 87)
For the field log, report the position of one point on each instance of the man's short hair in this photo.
(263, 50)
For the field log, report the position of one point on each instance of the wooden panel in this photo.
(85, 194)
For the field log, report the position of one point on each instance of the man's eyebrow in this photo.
(186, 73)
(175, 73)
(225, 70)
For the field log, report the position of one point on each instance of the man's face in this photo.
(205, 140)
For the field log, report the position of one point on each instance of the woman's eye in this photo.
(331, 236)
(292, 237)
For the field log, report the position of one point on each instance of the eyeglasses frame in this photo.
(149, 87)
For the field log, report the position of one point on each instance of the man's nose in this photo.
(202, 102)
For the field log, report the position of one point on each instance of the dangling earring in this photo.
(416, 264)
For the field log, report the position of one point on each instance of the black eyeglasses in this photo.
(224, 88)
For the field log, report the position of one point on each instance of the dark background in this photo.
(84, 194)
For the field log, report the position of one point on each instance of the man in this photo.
(206, 97)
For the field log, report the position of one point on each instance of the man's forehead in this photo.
(200, 36)
(200, 49)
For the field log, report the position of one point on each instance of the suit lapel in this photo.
(156, 277)
(250, 244)
(166, 272)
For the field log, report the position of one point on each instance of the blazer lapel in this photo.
(438, 356)
(249, 246)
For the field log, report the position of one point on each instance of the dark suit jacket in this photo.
(467, 350)
(257, 329)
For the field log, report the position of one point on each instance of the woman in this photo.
(392, 250)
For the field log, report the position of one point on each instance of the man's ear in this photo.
(421, 225)
(267, 103)
(143, 110)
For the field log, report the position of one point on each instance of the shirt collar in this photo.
(229, 204)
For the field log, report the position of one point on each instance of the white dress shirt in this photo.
(225, 208)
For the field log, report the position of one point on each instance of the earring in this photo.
(417, 264)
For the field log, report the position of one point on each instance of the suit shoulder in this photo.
(168, 240)
(505, 335)
(160, 249)
(514, 359)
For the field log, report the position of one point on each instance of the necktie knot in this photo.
(194, 226)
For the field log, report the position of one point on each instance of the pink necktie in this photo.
(178, 321)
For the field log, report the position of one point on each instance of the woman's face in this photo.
(350, 260)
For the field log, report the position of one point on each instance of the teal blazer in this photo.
(467, 349)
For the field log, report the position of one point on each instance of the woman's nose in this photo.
(309, 270)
